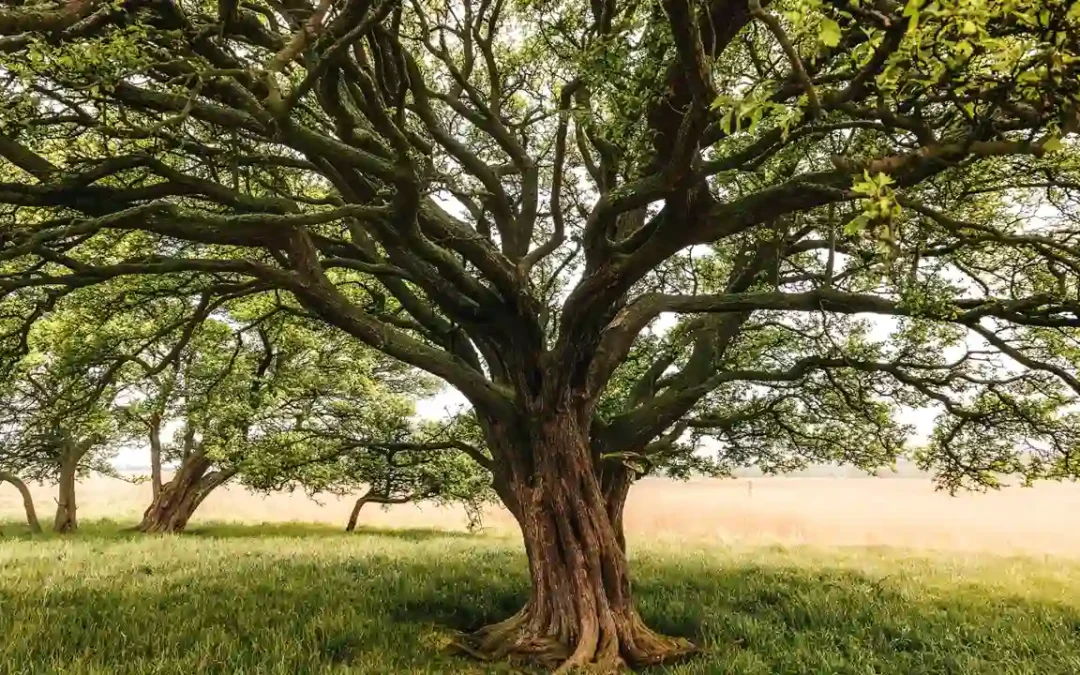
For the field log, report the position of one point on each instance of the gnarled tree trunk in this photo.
(581, 611)
(28, 499)
(66, 518)
(178, 499)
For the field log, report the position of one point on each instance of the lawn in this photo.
(309, 599)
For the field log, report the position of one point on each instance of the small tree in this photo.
(250, 390)
(224, 381)
(386, 456)
(28, 499)
(406, 472)
(56, 412)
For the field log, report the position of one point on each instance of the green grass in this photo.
(304, 599)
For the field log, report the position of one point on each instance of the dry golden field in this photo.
(904, 513)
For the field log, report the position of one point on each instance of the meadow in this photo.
(770, 578)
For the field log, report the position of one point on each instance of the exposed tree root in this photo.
(605, 646)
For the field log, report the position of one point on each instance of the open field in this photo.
(287, 599)
(799, 576)
(905, 513)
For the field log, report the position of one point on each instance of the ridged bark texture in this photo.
(66, 517)
(581, 612)
(178, 499)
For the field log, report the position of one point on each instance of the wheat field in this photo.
(826, 512)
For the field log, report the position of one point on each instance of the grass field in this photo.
(306, 598)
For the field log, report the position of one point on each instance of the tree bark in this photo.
(615, 482)
(66, 518)
(155, 454)
(355, 515)
(370, 498)
(580, 613)
(178, 499)
(28, 500)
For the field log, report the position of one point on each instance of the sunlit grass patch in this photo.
(298, 598)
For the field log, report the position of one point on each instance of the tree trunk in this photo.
(356, 513)
(155, 454)
(581, 611)
(179, 498)
(28, 500)
(616, 480)
(66, 518)
(369, 498)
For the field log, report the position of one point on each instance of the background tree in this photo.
(513, 196)
(232, 392)
(57, 411)
(27, 498)
(265, 396)
(392, 459)
(210, 400)
(68, 379)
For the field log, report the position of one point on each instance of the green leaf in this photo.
(829, 33)
(727, 121)
(912, 7)
(1052, 144)
(883, 179)
(855, 225)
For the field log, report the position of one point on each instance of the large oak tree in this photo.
(517, 196)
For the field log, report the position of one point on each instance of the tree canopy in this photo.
(237, 387)
(280, 403)
(61, 399)
(617, 228)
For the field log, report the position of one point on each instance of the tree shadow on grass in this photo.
(89, 530)
(300, 529)
(392, 609)
(110, 529)
(227, 530)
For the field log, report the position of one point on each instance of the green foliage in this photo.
(61, 395)
(284, 402)
(915, 160)
(829, 33)
(361, 448)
